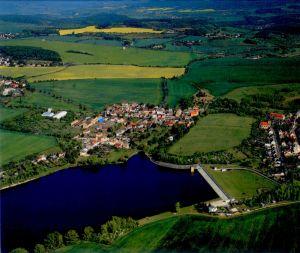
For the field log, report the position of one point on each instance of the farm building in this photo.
(60, 115)
(48, 114)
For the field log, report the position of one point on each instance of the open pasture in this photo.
(94, 29)
(89, 72)
(241, 184)
(96, 93)
(7, 113)
(15, 145)
(43, 100)
(223, 75)
(287, 90)
(92, 54)
(213, 133)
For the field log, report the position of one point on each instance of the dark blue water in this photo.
(78, 197)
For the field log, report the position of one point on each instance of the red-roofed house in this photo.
(278, 116)
(264, 125)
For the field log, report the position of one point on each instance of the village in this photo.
(114, 125)
(12, 88)
(282, 142)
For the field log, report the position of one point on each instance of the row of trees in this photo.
(30, 53)
(107, 234)
(289, 191)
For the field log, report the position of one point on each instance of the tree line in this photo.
(22, 53)
(106, 235)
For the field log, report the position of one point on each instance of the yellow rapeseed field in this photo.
(90, 72)
(94, 29)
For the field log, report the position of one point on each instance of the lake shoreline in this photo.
(70, 166)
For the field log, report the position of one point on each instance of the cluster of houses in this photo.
(57, 115)
(12, 88)
(282, 142)
(49, 157)
(5, 61)
(7, 36)
(222, 35)
(114, 125)
(188, 43)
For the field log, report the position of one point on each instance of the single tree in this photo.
(72, 237)
(39, 248)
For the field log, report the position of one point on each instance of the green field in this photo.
(7, 113)
(96, 94)
(223, 75)
(212, 133)
(240, 183)
(89, 72)
(15, 146)
(43, 100)
(270, 230)
(108, 54)
(287, 90)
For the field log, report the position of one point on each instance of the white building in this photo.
(48, 114)
(60, 115)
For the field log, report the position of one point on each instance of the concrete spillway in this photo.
(216, 187)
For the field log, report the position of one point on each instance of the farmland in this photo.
(94, 29)
(212, 133)
(241, 184)
(223, 75)
(108, 54)
(194, 234)
(15, 146)
(96, 94)
(89, 72)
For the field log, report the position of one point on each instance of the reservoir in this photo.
(78, 197)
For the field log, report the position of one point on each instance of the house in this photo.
(277, 116)
(195, 112)
(264, 125)
(41, 158)
(60, 115)
(212, 209)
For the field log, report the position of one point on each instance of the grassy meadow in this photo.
(8, 113)
(94, 29)
(241, 183)
(223, 75)
(212, 133)
(80, 53)
(287, 90)
(43, 100)
(96, 93)
(270, 230)
(15, 145)
(89, 72)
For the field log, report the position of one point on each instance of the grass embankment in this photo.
(89, 72)
(241, 184)
(94, 29)
(95, 94)
(15, 145)
(91, 54)
(213, 133)
(270, 230)
(223, 75)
